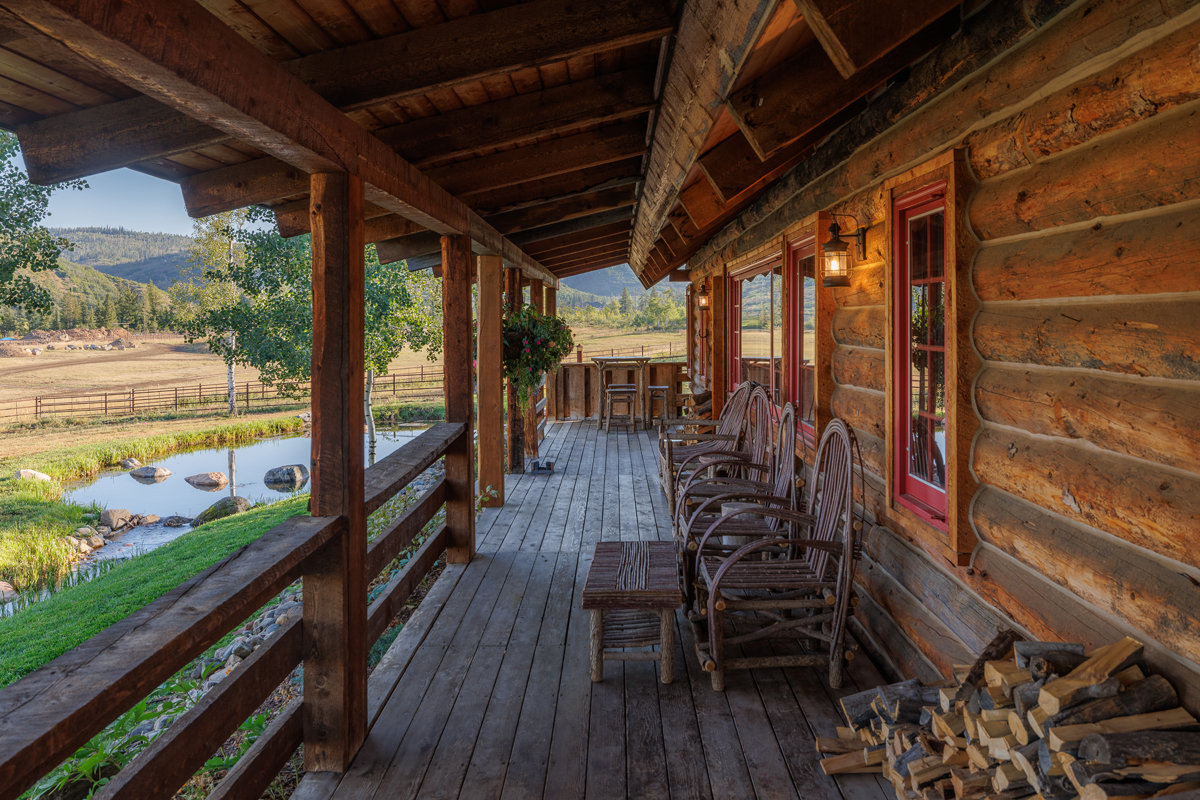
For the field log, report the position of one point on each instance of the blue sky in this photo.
(122, 198)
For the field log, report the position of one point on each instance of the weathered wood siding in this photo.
(1084, 137)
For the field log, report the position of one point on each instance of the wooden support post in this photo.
(490, 356)
(552, 377)
(826, 306)
(718, 380)
(335, 590)
(516, 426)
(460, 397)
(537, 298)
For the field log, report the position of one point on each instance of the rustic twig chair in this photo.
(671, 454)
(803, 586)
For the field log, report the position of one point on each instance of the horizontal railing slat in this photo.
(400, 588)
(259, 765)
(393, 473)
(171, 759)
(391, 542)
(53, 711)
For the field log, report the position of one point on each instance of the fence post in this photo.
(579, 353)
(132, 402)
(106, 404)
(176, 398)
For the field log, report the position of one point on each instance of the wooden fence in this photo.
(52, 712)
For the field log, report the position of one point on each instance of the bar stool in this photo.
(651, 393)
(620, 393)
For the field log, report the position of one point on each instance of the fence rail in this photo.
(419, 384)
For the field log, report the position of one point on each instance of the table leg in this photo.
(597, 651)
(666, 638)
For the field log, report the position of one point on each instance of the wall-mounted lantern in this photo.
(837, 253)
(702, 304)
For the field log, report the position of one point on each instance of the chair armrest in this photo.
(695, 478)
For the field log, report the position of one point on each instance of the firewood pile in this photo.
(701, 405)
(1039, 720)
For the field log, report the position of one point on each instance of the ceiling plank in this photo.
(550, 252)
(165, 48)
(403, 65)
(559, 210)
(618, 173)
(588, 252)
(572, 226)
(795, 97)
(856, 33)
(583, 237)
(615, 261)
(702, 203)
(268, 180)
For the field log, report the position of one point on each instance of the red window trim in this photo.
(733, 367)
(922, 498)
(798, 250)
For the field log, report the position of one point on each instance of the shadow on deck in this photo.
(491, 695)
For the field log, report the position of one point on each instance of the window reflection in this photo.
(927, 327)
(808, 339)
(755, 353)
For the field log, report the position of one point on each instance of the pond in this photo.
(176, 497)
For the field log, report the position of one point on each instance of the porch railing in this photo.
(49, 714)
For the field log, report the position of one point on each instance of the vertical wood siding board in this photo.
(1157, 337)
(971, 619)
(1044, 610)
(988, 57)
(1155, 422)
(1147, 593)
(1150, 507)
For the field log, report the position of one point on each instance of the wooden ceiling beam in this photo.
(615, 261)
(169, 50)
(617, 173)
(268, 180)
(621, 228)
(582, 258)
(573, 226)
(404, 65)
(558, 250)
(588, 251)
(796, 97)
(856, 33)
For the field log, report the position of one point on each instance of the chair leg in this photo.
(597, 645)
(837, 665)
(666, 637)
(716, 643)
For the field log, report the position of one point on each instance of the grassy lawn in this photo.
(33, 520)
(50, 628)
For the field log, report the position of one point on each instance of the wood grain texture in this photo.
(860, 367)
(491, 379)
(391, 474)
(863, 410)
(459, 386)
(1156, 598)
(335, 592)
(257, 767)
(1139, 256)
(1142, 504)
(1159, 423)
(861, 327)
(1156, 338)
(394, 539)
(514, 427)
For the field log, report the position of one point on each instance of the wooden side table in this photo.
(632, 591)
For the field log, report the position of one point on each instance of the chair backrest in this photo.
(784, 460)
(757, 439)
(831, 492)
(733, 415)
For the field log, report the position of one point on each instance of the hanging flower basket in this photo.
(533, 344)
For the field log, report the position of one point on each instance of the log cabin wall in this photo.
(1081, 146)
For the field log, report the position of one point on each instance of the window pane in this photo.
(918, 248)
(808, 341)
(937, 244)
(756, 329)
(927, 412)
(777, 332)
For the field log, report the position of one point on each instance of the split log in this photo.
(838, 746)
(1024, 651)
(1091, 679)
(858, 367)
(864, 760)
(999, 647)
(1066, 737)
(1158, 423)
(1126, 790)
(1152, 694)
(861, 409)
(1159, 338)
(1121, 749)
(1152, 508)
(1139, 256)
(861, 327)
(1053, 665)
(1154, 163)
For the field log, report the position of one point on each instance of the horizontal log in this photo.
(176, 755)
(1156, 422)
(1138, 256)
(863, 410)
(391, 601)
(998, 148)
(1151, 81)
(868, 284)
(1145, 746)
(1154, 693)
(1148, 594)
(259, 765)
(391, 474)
(52, 712)
(908, 659)
(861, 327)
(971, 620)
(1158, 338)
(857, 367)
(1153, 163)
(1149, 507)
(389, 544)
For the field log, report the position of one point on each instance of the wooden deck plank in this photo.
(530, 755)
(539, 524)
(593, 521)
(577, 513)
(567, 769)
(568, 468)
(687, 773)
(606, 736)
(645, 753)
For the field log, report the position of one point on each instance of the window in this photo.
(756, 327)
(919, 223)
(802, 336)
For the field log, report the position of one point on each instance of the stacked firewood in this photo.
(1039, 720)
(701, 405)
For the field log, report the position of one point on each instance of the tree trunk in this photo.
(232, 473)
(232, 386)
(370, 388)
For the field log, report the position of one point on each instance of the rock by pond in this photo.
(290, 476)
(177, 521)
(225, 507)
(114, 518)
(130, 463)
(209, 481)
(150, 474)
(33, 474)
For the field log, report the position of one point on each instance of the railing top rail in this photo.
(393, 473)
(52, 712)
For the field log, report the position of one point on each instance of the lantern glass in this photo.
(702, 298)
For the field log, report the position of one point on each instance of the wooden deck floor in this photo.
(486, 692)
